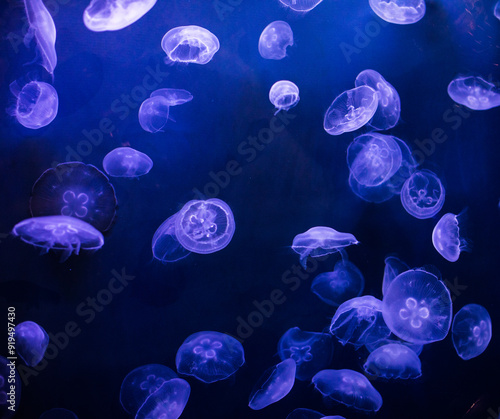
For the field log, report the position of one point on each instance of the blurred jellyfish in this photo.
(471, 331)
(275, 39)
(273, 385)
(393, 361)
(113, 15)
(351, 110)
(174, 97)
(284, 95)
(166, 247)
(77, 190)
(167, 402)
(153, 114)
(415, 347)
(496, 10)
(447, 239)
(393, 267)
(422, 195)
(474, 92)
(305, 414)
(349, 388)
(31, 342)
(58, 413)
(301, 5)
(10, 388)
(402, 12)
(209, 356)
(190, 44)
(126, 162)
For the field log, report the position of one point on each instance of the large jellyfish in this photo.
(31, 341)
(209, 356)
(166, 247)
(401, 12)
(76, 190)
(167, 402)
(301, 5)
(447, 239)
(311, 351)
(190, 44)
(274, 384)
(284, 95)
(153, 114)
(471, 331)
(393, 267)
(422, 195)
(126, 162)
(275, 39)
(393, 361)
(474, 92)
(10, 388)
(58, 413)
(175, 97)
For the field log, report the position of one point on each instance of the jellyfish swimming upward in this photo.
(401, 12)
(474, 92)
(471, 331)
(447, 239)
(284, 95)
(274, 40)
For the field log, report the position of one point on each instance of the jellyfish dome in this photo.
(275, 39)
(167, 402)
(415, 347)
(305, 414)
(474, 92)
(284, 95)
(126, 162)
(393, 361)
(58, 413)
(31, 342)
(75, 190)
(166, 247)
(301, 5)
(422, 194)
(496, 10)
(393, 267)
(210, 356)
(174, 97)
(447, 239)
(401, 12)
(9, 400)
(153, 114)
(471, 331)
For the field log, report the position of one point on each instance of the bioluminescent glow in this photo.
(393, 361)
(32, 341)
(126, 162)
(166, 247)
(301, 5)
(190, 44)
(284, 95)
(447, 239)
(275, 39)
(401, 12)
(415, 347)
(474, 92)
(174, 97)
(471, 331)
(423, 194)
(167, 402)
(153, 114)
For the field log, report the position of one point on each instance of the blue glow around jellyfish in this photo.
(175, 97)
(471, 331)
(209, 356)
(165, 245)
(58, 413)
(447, 239)
(167, 402)
(301, 5)
(9, 399)
(393, 267)
(496, 10)
(423, 194)
(153, 114)
(31, 342)
(474, 92)
(401, 12)
(393, 361)
(190, 44)
(274, 40)
(284, 95)
(301, 413)
(126, 162)
(273, 385)
(415, 347)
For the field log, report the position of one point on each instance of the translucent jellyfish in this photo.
(205, 226)
(166, 247)
(351, 110)
(167, 402)
(31, 342)
(190, 44)
(58, 413)
(320, 241)
(474, 92)
(305, 414)
(113, 15)
(174, 97)
(402, 12)
(311, 351)
(301, 5)
(284, 95)
(75, 190)
(415, 347)
(393, 361)
(153, 114)
(349, 388)
(126, 162)
(389, 104)
(496, 10)
(142, 382)
(422, 195)
(359, 321)
(417, 307)
(36, 104)
(345, 282)
(393, 267)
(9, 398)
(447, 239)
(274, 384)
(275, 39)
(210, 356)
(471, 331)
(61, 233)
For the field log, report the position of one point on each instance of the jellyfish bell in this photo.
(393, 361)
(154, 114)
(471, 331)
(474, 92)
(31, 342)
(423, 194)
(401, 12)
(167, 402)
(174, 97)
(275, 39)
(126, 162)
(58, 413)
(165, 245)
(301, 5)
(284, 95)
(448, 238)
(393, 267)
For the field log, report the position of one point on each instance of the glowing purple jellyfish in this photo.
(190, 44)
(168, 402)
(393, 361)
(165, 245)
(32, 341)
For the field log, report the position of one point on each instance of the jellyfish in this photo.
(10, 388)
(58, 413)
(284, 95)
(166, 247)
(320, 241)
(274, 40)
(174, 97)
(113, 15)
(305, 414)
(471, 331)
(447, 239)
(345, 282)
(389, 105)
(349, 388)
(209, 356)
(31, 342)
(153, 114)
(401, 12)
(126, 162)
(190, 44)
(393, 267)
(351, 110)
(359, 321)
(393, 361)
(415, 347)
(474, 92)
(76, 190)
(417, 307)
(204, 226)
(301, 5)
(274, 384)
(311, 351)
(422, 194)
(496, 10)
(167, 402)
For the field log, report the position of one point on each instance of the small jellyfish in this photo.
(126, 162)
(474, 92)
(393, 361)
(447, 239)
(393, 267)
(496, 10)
(401, 12)
(58, 413)
(153, 114)
(305, 414)
(166, 247)
(422, 195)
(205, 226)
(349, 388)
(10, 388)
(31, 342)
(275, 39)
(174, 97)
(351, 110)
(415, 347)
(168, 402)
(284, 95)
(190, 44)
(301, 5)
(209, 356)
(471, 331)
(113, 15)
(311, 351)
(273, 385)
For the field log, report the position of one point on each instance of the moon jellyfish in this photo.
(31, 341)
(345, 282)
(474, 92)
(447, 239)
(417, 307)
(351, 110)
(75, 190)
(167, 402)
(320, 241)
(190, 44)
(393, 267)
(284, 95)
(58, 413)
(301, 5)
(153, 114)
(422, 194)
(415, 347)
(204, 226)
(349, 388)
(209, 356)
(305, 414)
(166, 247)
(393, 361)
(389, 105)
(126, 162)
(113, 15)
(311, 351)
(274, 384)
(274, 40)
(174, 97)
(471, 331)
(359, 321)
(10, 388)
(401, 12)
